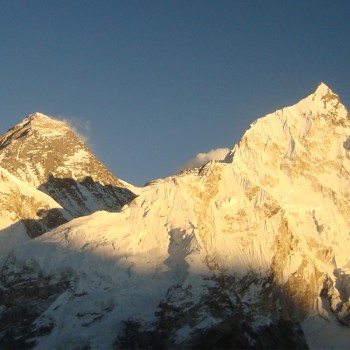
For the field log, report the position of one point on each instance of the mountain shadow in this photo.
(219, 317)
(24, 229)
(84, 197)
(49, 219)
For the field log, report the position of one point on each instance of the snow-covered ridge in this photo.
(229, 252)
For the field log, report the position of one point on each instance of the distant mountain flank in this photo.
(247, 253)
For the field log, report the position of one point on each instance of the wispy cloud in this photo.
(80, 126)
(202, 158)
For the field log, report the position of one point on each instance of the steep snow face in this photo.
(47, 154)
(249, 246)
(300, 155)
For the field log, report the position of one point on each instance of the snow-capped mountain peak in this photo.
(322, 102)
(236, 254)
(294, 126)
(322, 90)
(44, 124)
(51, 147)
(40, 118)
(46, 154)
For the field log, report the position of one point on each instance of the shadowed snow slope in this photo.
(251, 252)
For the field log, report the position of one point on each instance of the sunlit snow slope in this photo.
(251, 252)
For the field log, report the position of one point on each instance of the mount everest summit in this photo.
(249, 252)
(48, 155)
(48, 177)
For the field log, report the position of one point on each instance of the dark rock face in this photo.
(86, 196)
(49, 219)
(222, 319)
(24, 296)
(232, 334)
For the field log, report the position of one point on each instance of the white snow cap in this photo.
(37, 116)
(39, 119)
(43, 121)
(322, 90)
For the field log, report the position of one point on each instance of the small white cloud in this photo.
(202, 158)
(80, 127)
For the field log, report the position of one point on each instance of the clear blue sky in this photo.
(160, 81)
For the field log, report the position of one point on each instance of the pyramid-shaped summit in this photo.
(47, 154)
(38, 120)
(38, 117)
(294, 129)
(322, 90)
